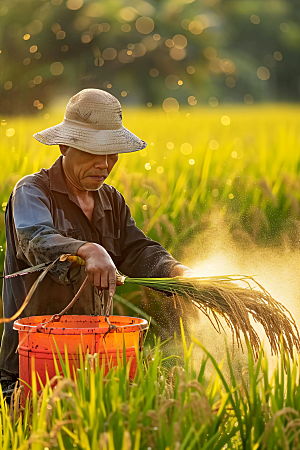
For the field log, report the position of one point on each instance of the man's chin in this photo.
(92, 186)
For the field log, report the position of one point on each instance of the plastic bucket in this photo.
(88, 332)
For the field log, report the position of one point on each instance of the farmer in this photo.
(68, 209)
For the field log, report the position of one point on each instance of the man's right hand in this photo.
(99, 266)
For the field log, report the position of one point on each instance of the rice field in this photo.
(240, 162)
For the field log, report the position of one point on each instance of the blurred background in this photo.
(196, 52)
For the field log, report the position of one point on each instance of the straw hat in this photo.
(93, 124)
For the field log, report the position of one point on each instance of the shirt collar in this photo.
(58, 184)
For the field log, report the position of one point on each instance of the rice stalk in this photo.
(222, 297)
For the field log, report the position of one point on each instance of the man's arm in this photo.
(38, 240)
(141, 256)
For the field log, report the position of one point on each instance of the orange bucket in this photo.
(89, 332)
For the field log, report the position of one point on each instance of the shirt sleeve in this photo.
(38, 240)
(141, 256)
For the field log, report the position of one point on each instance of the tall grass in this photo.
(175, 407)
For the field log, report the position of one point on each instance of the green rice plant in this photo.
(182, 407)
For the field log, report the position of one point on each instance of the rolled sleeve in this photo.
(38, 240)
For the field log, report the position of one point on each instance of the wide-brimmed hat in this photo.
(93, 124)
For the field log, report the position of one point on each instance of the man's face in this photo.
(85, 170)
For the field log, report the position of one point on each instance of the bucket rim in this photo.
(141, 325)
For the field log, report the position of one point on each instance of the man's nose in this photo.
(101, 162)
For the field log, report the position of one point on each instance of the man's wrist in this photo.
(85, 249)
(178, 271)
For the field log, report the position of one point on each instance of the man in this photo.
(69, 209)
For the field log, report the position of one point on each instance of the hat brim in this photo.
(97, 142)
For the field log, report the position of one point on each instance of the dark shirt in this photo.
(43, 221)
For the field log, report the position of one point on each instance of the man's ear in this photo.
(63, 149)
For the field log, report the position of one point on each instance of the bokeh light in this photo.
(170, 104)
(74, 5)
(61, 34)
(170, 145)
(38, 79)
(169, 43)
(263, 73)
(225, 120)
(99, 62)
(144, 25)
(195, 27)
(56, 68)
(178, 53)
(191, 70)
(278, 56)
(8, 85)
(109, 53)
(179, 41)
(154, 72)
(227, 65)
(192, 100)
(86, 37)
(255, 19)
(186, 148)
(10, 132)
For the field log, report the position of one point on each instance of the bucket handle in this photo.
(56, 317)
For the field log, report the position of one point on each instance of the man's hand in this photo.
(99, 267)
(182, 271)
